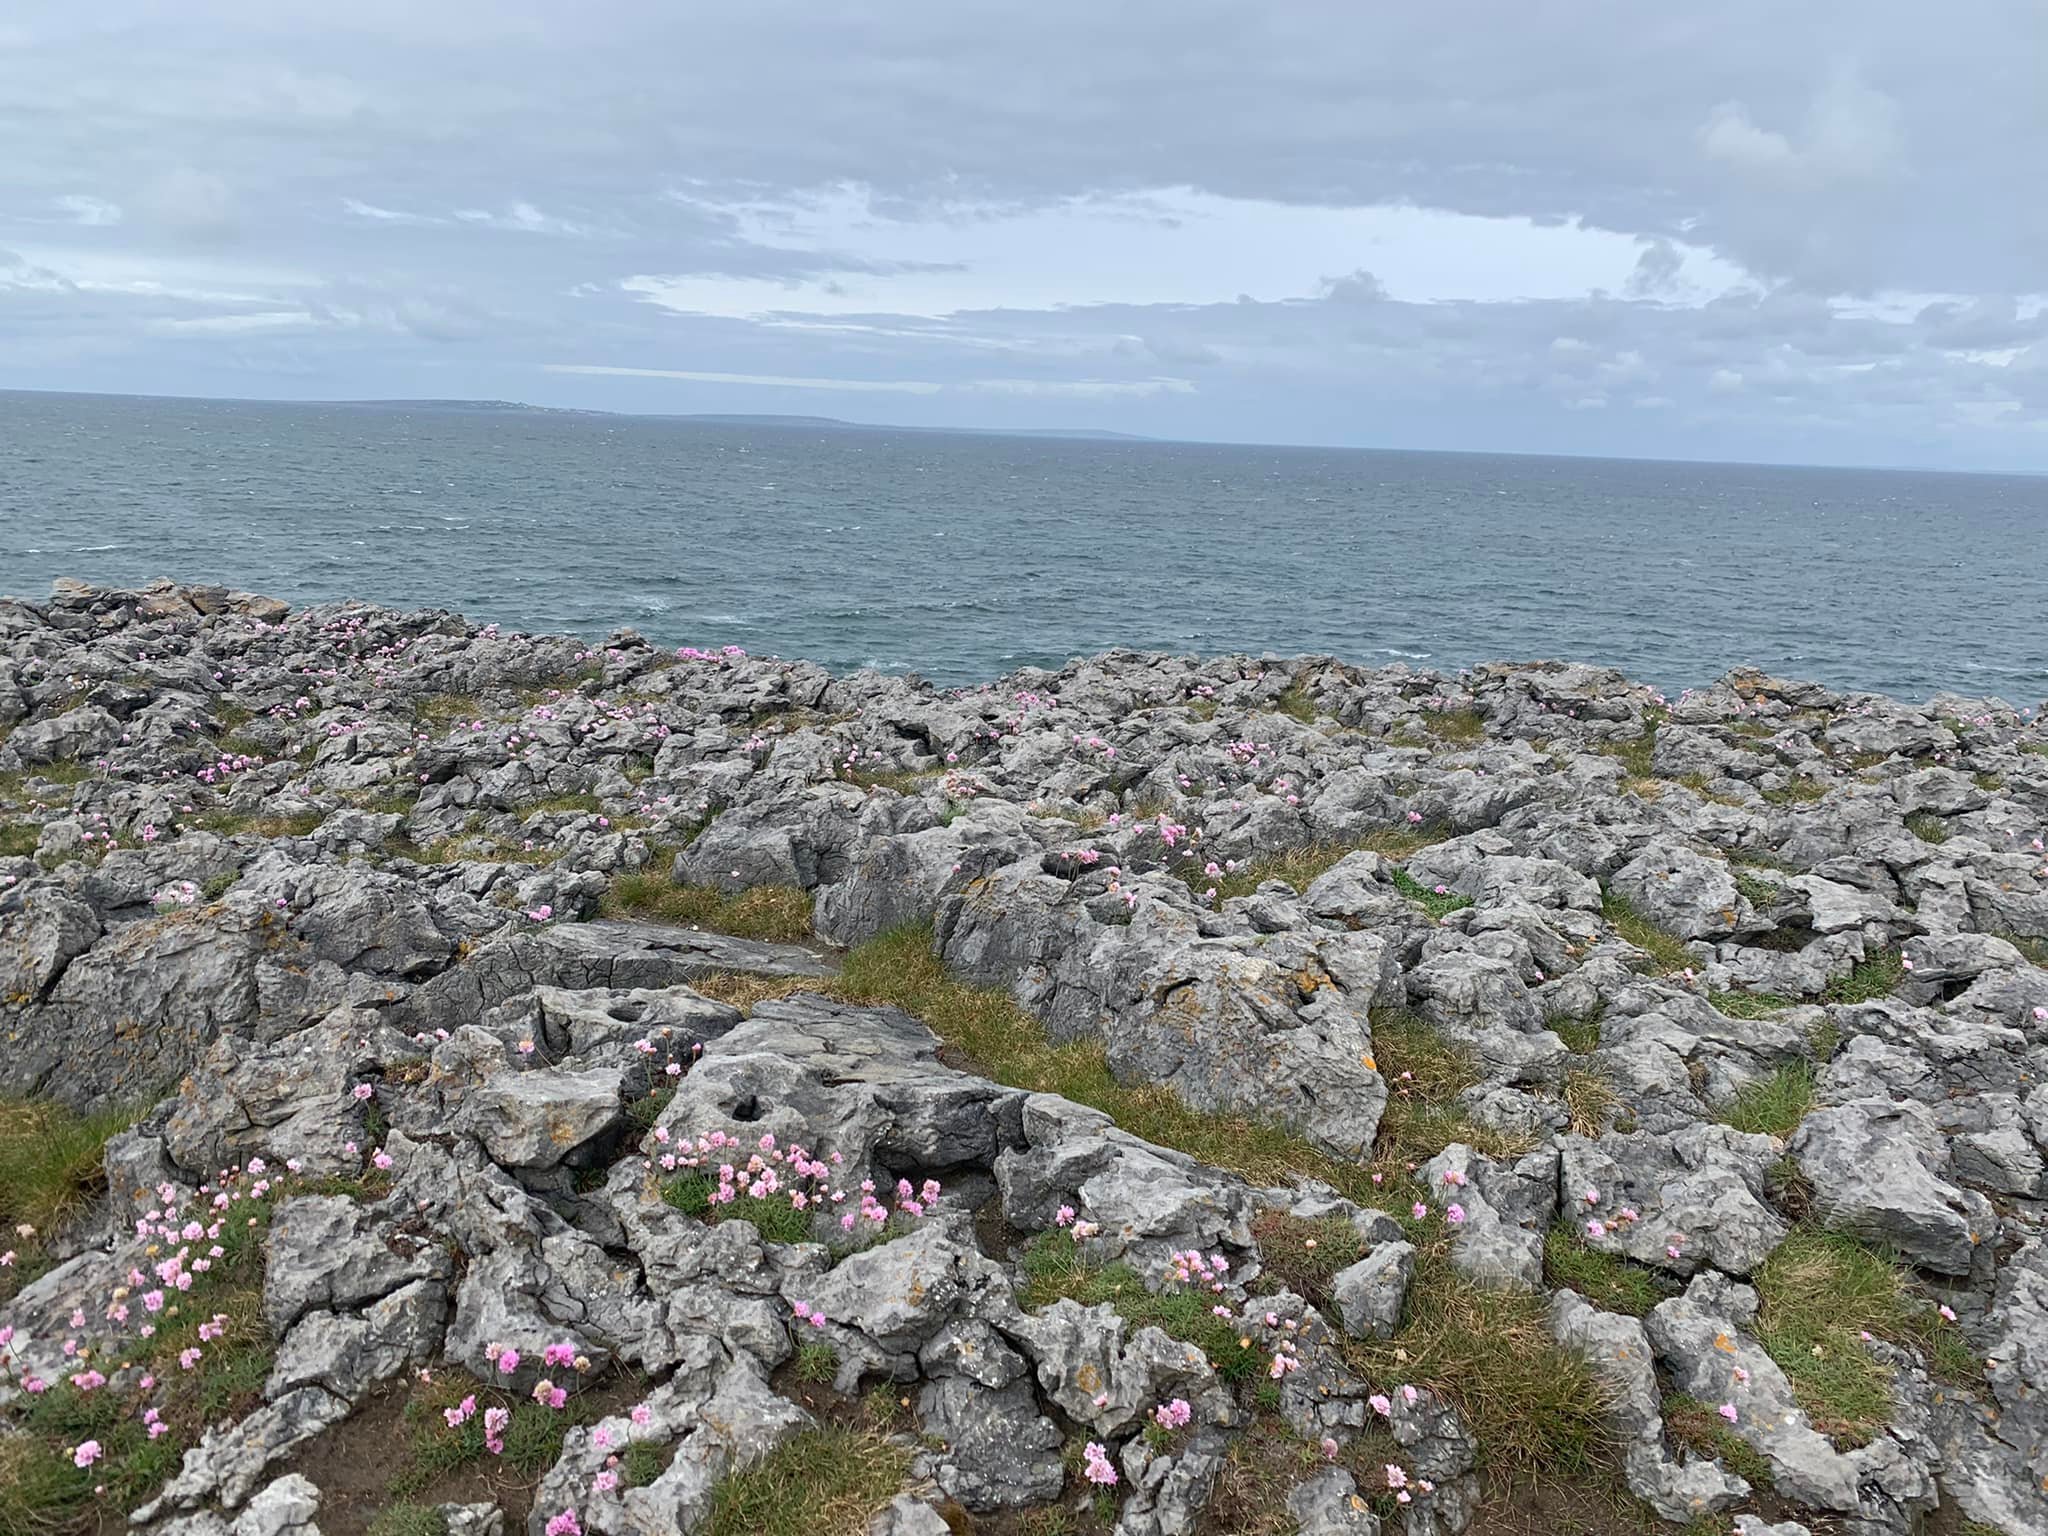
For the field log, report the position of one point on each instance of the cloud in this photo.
(1344, 223)
(1082, 389)
(95, 212)
(191, 204)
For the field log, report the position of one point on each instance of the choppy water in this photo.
(963, 556)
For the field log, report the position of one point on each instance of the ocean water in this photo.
(962, 556)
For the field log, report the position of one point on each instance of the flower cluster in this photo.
(768, 1171)
(1095, 1465)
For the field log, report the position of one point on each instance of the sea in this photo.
(961, 556)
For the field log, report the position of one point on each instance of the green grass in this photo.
(1757, 891)
(816, 1361)
(18, 839)
(775, 913)
(409, 1520)
(1667, 951)
(1636, 753)
(773, 1216)
(1608, 1281)
(1590, 1101)
(1872, 978)
(1462, 726)
(1580, 1033)
(1053, 1268)
(1438, 904)
(50, 1163)
(1774, 1105)
(828, 1481)
(533, 1436)
(1749, 1005)
(902, 781)
(642, 1462)
(443, 709)
(1703, 1431)
(1820, 1290)
(1304, 1256)
(1927, 826)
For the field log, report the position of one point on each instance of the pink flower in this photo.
(508, 1362)
(1596, 1228)
(1418, 1210)
(381, 1158)
(1380, 1405)
(641, 1414)
(86, 1454)
(565, 1524)
(1095, 1465)
(1727, 1411)
(361, 1091)
(1947, 1312)
(1454, 1214)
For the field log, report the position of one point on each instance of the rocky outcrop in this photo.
(338, 900)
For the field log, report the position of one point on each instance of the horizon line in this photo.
(1106, 436)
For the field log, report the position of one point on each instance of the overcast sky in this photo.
(1700, 228)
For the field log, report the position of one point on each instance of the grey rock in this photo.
(286, 1507)
(1619, 1352)
(543, 1118)
(998, 1451)
(1699, 1190)
(327, 1252)
(1328, 1503)
(1369, 1294)
(1877, 1168)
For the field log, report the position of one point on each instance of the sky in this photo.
(1700, 229)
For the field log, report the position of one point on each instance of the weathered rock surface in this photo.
(329, 889)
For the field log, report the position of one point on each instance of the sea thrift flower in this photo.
(1454, 1214)
(86, 1454)
(1727, 1411)
(1095, 1465)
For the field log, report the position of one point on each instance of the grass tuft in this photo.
(1820, 1292)
(51, 1168)
(1439, 904)
(1749, 1005)
(1774, 1105)
(828, 1481)
(409, 1520)
(1607, 1280)
(1463, 726)
(1878, 976)
(1580, 1034)
(1054, 1269)
(778, 914)
(1667, 951)
(1702, 1431)
(1927, 826)
(773, 1216)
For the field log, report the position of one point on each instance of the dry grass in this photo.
(1302, 867)
(747, 992)
(778, 914)
(1590, 1100)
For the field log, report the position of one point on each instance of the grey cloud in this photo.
(464, 186)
